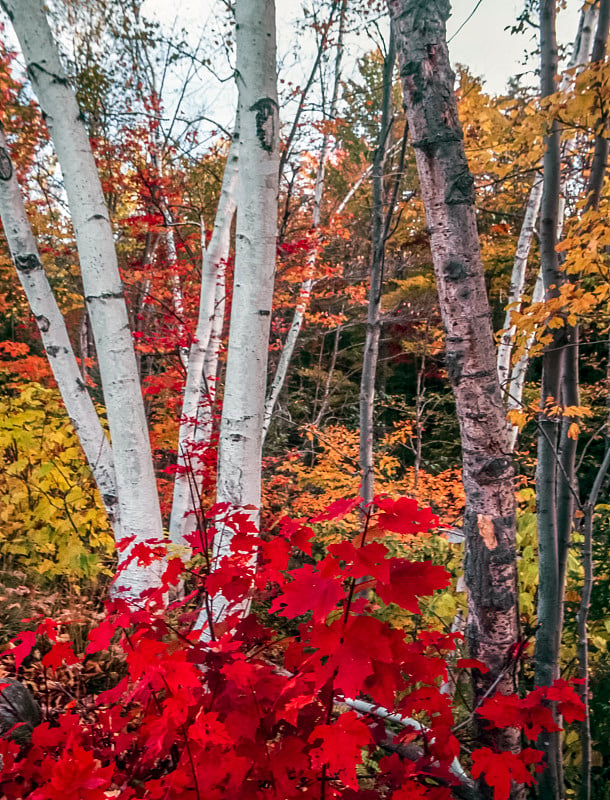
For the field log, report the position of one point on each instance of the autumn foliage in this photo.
(252, 709)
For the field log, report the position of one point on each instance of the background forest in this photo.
(411, 469)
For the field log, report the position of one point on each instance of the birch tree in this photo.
(239, 457)
(137, 492)
(195, 425)
(448, 193)
(512, 380)
(305, 290)
(54, 335)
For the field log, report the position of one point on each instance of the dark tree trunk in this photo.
(448, 193)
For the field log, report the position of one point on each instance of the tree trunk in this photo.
(550, 595)
(239, 457)
(307, 285)
(448, 194)
(138, 500)
(512, 381)
(196, 390)
(55, 337)
(517, 284)
(514, 393)
(373, 319)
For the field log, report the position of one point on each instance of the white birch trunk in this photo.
(138, 499)
(307, 285)
(204, 348)
(512, 380)
(55, 337)
(239, 458)
(177, 298)
(517, 279)
(514, 391)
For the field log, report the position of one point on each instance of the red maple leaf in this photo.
(308, 591)
(76, 775)
(362, 562)
(341, 747)
(569, 703)
(27, 640)
(337, 510)
(101, 636)
(499, 769)
(410, 580)
(404, 516)
(58, 654)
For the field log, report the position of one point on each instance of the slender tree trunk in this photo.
(600, 153)
(550, 595)
(582, 619)
(55, 337)
(305, 291)
(512, 381)
(448, 193)
(594, 188)
(196, 390)
(517, 282)
(239, 458)
(373, 320)
(138, 500)
(519, 371)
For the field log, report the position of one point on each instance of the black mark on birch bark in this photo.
(6, 168)
(104, 296)
(52, 349)
(266, 111)
(43, 323)
(28, 262)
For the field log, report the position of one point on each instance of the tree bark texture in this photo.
(138, 499)
(55, 339)
(239, 459)
(448, 193)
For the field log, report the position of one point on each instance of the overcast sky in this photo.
(482, 44)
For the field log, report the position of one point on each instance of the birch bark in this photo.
(138, 500)
(203, 357)
(55, 337)
(307, 285)
(517, 283)
(448, 195)
(239, 458)
(512, 381)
